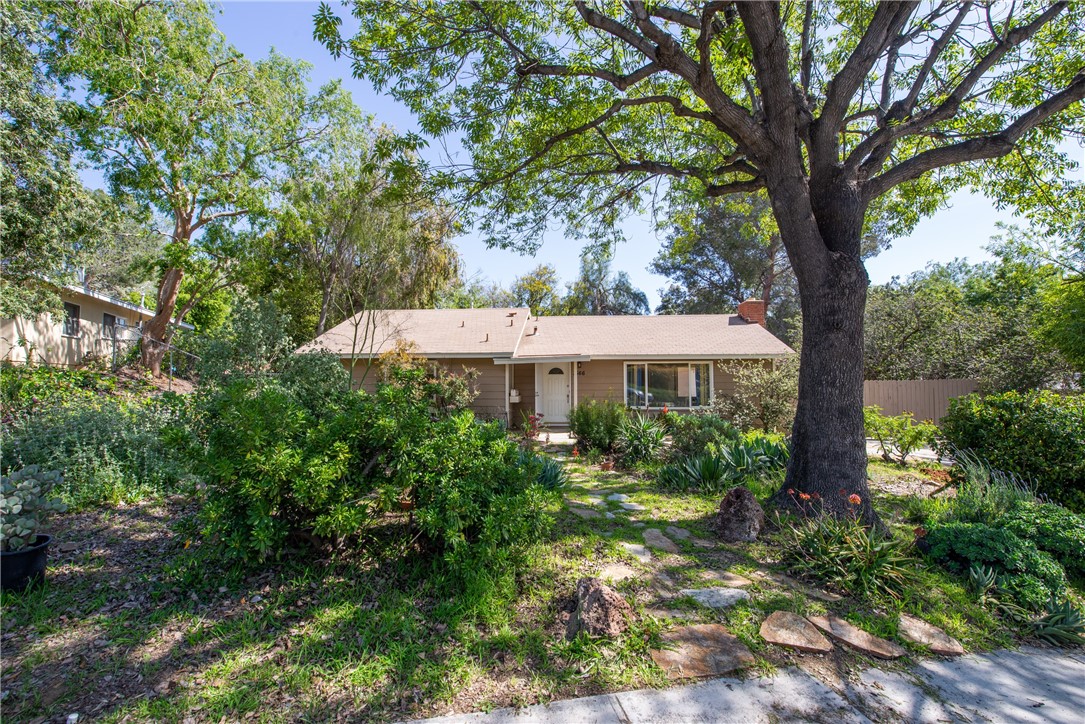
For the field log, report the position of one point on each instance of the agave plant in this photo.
(1061, 624)
(640, 439)
(552, 474)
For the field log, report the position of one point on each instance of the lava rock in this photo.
(600, 610)
(740, 517)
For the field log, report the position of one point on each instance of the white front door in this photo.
(557, 392)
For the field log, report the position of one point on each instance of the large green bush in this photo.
(1039, 435)
(1030, 576)
(276, 473)
(597, 425)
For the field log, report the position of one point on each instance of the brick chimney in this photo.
(753, 311)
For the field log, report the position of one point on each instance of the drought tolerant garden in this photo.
(276, 545)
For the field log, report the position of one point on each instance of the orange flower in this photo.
(576, 453)
(804, 496)
(791, 491)
(854, 499)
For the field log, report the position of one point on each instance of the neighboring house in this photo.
(530, 364)
(87, 329)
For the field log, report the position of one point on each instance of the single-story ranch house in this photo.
(528, 364)
(89, 327)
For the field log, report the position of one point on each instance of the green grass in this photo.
(383, 640)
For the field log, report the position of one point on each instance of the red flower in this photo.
(576, 453)
(665, 410)
(854, 499)
(815, 496)
(920, 531)
(790, 491)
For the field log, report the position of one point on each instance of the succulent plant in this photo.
(24, 504)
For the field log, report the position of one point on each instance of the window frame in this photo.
(70, 325)
(689, 363)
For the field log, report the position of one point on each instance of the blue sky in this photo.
(253, 27)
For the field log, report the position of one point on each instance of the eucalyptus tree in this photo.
(180, 122)
(578, 111)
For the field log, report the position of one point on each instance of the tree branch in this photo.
(621, 82)
(975, 149)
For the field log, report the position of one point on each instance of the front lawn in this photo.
(137, 621)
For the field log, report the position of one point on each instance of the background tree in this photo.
(985, 321)
(830, 107)
(539, 290)
(600, 291)
(360, 226)
(46, 216)
(728, 252)
(181, 122)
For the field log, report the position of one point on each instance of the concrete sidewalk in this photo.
(1027, 685)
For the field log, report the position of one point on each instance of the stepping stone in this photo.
(609, 516)
(595, 500)
(655, 539)
(632, 506)
(679, 533)
(583, 512)
(638, 524)
(704, 650)
(857, 638)
(731, 580)
(619, 497)
(617, 572)
(785, 628)
(716, 597)
(637, 551)
(702, 543)
(670, 613)
(790, 582)
(920, 632)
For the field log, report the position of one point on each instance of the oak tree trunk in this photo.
(828, 442)
(821, 224)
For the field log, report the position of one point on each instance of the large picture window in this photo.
(654, 385)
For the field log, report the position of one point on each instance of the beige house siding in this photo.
(45, 334)
(523, 381)
(601, 380)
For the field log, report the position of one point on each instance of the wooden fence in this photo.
(926, 399)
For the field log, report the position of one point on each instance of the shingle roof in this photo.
(687, 335)
(487, 333)
(435, 332)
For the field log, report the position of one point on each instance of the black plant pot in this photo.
(21, 569)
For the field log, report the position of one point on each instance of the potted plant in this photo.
(24, 504)
(606, 464)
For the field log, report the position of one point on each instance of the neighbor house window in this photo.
(653, 385)
(109, 326)
(71, 319)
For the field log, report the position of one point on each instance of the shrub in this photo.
(317, 380)
(764, 395)
(704, 473)
(1026, 574)
(24, 504)
(597, 425)
(692, 434)
(640, 439)
(984, 493)
(1051, 528)
(276, 472)
(1037, 435)
(845, 554)
(898, 436)
(109, 449)
(25, 391)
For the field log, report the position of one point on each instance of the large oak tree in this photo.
(578, 112)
